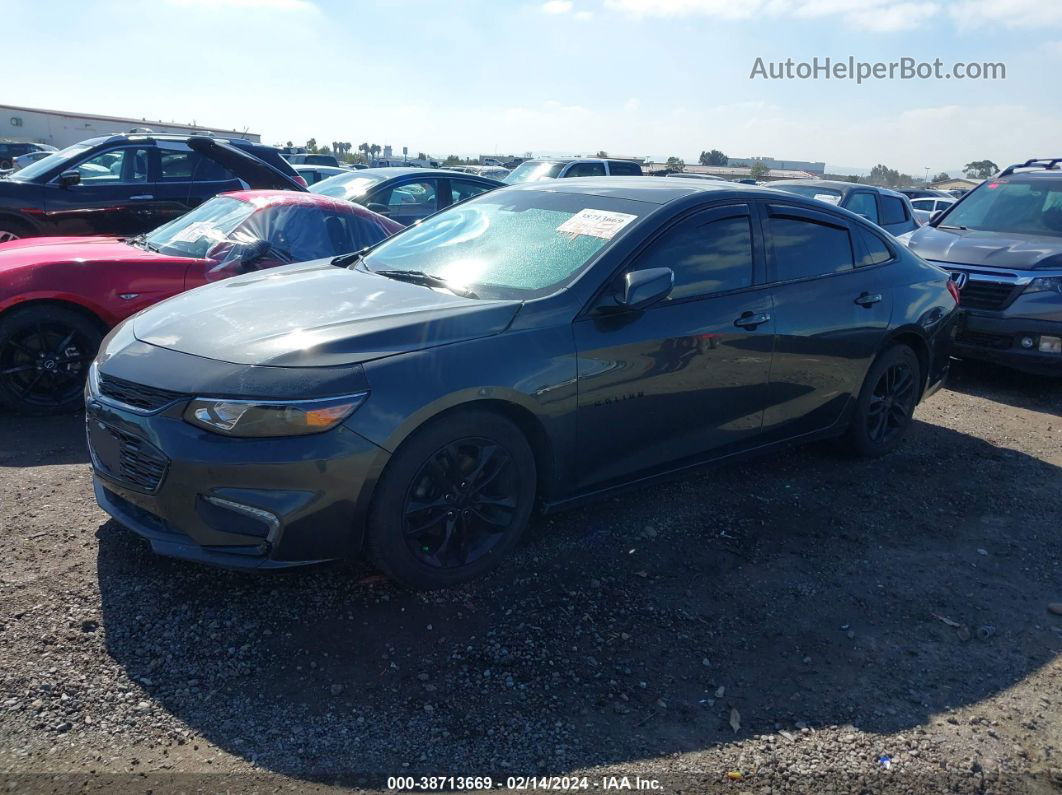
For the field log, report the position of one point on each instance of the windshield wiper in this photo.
(428, 280)
(343, 260)
(949, 226)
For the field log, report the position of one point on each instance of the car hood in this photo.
(253, 170)
(987, 249)
(33, 251)
(316, 315)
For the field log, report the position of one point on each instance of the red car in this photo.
(60, 295)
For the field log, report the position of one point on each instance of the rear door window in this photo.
(875, 250)
(804, 247)
(586, 170)
(624, 168)
(189, 166)
(462, 189)
(862, 203)
(893, 210)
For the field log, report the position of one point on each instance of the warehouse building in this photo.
(61, 129)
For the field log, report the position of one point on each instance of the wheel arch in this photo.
(58, 303)
(20, 220)
(916, 340)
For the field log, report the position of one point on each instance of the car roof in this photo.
(149, 137)
(651, 190)
(837, 184)
(273, 198)
(390, 172)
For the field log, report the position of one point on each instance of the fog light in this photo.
(1027, 342)
(1050, 344)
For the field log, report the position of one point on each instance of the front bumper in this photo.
(998, 339)
(238, 503)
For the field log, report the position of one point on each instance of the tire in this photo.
(52, 383)
(468, 477)
(13, 230)
(886, 403)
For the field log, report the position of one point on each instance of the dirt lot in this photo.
(789, 620)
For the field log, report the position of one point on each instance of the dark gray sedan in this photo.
(888, 209)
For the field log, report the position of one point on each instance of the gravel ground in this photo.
(802, 622)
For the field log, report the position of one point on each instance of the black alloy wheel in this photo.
(891, 403)
(460, 503)
(885, 407)
(454, 498)
(44, 358)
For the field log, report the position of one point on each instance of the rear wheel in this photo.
(886, 403)
(453, 501)
(13, 230)
(45, 353)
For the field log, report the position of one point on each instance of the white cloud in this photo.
(871, 15)
(631, 104)
(1006, 13)
(556, 6)
(583, 16)
(267, 5)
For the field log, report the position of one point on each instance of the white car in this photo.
(925, 207)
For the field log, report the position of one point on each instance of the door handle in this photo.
(752, 319)
(868, 299)
(141, 197)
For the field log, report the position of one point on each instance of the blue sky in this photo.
(637, 77)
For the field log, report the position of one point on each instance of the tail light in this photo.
(953, 288)
(301, 180)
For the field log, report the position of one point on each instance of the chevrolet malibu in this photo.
(530, 348)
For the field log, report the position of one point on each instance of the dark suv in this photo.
(1002, 243)
(887, 208)
(121, 185)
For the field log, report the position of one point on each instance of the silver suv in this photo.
(534, 170)
(1002, 243)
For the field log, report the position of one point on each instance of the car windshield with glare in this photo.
(510, 244)
(1031, 206)
(46, 164)
(193, 234)
(346, 186)
(532, 171)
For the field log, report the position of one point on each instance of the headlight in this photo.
(1044, 283)
(271, 417)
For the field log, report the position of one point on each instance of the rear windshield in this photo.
(347, 186)
(510, 244)
(1026, 207)
(828, 195)
(532, 171)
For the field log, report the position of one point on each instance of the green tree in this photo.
(980, 169)
(759, 170)
(422, 156)
(675, 164)
(941, 177)
(601, 153)
(364, 148)
(311, 145)
(885, 176)
(375, 149)
(324, 150)
(289, 144)
(452, 160)
(713, 158)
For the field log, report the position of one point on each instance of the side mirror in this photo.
(71, 177)
(644, 288)
(935, 216)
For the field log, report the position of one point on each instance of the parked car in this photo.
(1003, 244)
(131, 183)
(492, 172)
(21, 161)
(314, 174)
(307, 159)
(534, 170)
(925, 207)
(533, 346)
(9, 150)
(405, 195)
(922, 193)
(888, 209)
(59, 295)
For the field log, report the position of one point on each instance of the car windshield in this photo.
(46, 164)
(509, 244)
(193, 234)
(532, 171)
(1026, 207)
(346, 186)
(828, 195)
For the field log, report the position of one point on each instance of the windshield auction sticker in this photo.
(596, 223)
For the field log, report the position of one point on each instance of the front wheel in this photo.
(453, 501)
(45, 353)
(13, 230)
(886, 403)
